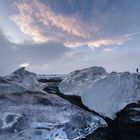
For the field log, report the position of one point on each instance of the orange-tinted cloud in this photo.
(42, 24)
(31, 15)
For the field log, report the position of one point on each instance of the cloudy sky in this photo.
(58, 36)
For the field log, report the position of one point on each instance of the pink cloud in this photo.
(25, 23)
(30, 15)
(38, 21)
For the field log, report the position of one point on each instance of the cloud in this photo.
(59, 34)
(42, 23)
(54, 57)
(8, 57)
(42, 53)
(99, 43)
(24, 65)
(110, 60)
(26, 24)
(14, 55)
(41, 14)
(107, 50)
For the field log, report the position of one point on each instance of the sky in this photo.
(59, 36)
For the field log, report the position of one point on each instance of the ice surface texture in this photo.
(29, 113)
(105, 93)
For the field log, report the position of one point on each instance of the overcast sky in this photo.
(58, 36)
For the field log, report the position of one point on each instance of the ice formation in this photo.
(105, 93)
(29, 113)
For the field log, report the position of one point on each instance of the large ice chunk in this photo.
(111, 94)
(102, 92)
